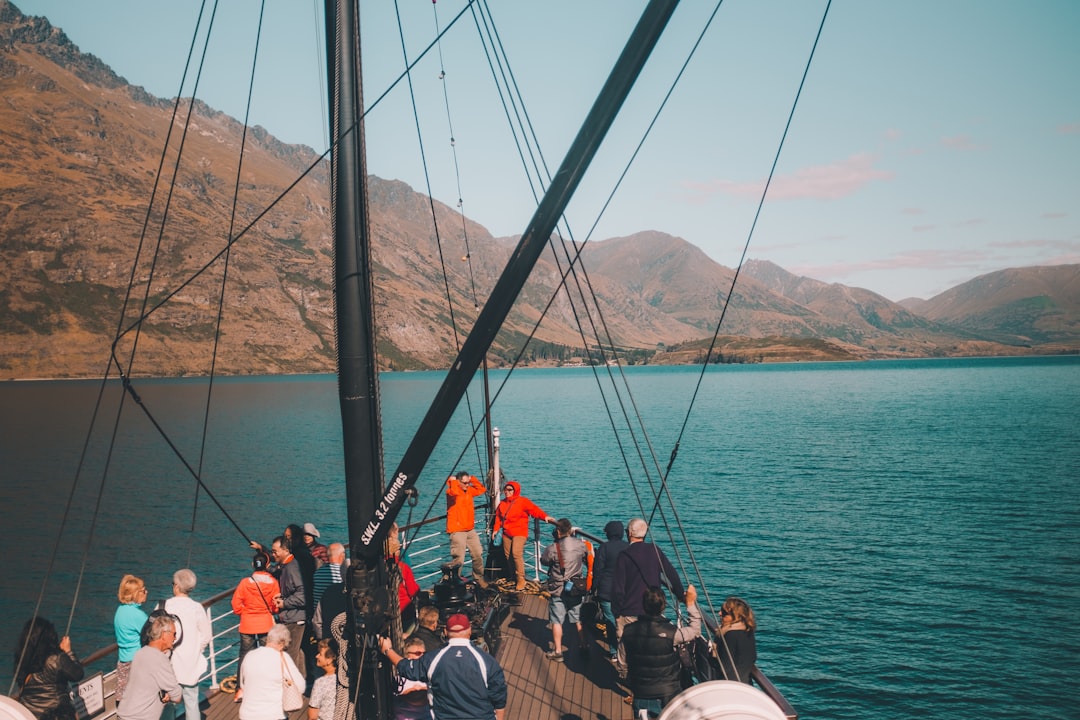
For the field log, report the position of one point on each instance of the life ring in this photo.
(11, 709)
(722, 700)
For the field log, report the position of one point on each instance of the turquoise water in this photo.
(908, 532)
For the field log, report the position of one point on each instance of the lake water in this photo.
(907, 532)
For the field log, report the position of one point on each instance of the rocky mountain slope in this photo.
(1032, 305)
(83, 219)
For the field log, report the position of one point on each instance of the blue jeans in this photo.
(191, 702)
(609, 621)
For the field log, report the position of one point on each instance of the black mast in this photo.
(358, 387)
(536, 235)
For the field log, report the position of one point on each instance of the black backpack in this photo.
(697, 664)
(160, 611)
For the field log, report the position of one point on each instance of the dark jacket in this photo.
(47, 689)
(637, 569)
(432, 640)
(651, 658)
(455, 678)
(334, 602)
(604, 562)
(293, 597)
(738, 646)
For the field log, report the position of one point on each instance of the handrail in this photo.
(110, 649)
(774, 694)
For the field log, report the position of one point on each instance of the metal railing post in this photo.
(213, 655)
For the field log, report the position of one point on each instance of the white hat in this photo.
(310, 529)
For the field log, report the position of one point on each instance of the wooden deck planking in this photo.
(581, 688)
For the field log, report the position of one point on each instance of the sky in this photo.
(933, 140)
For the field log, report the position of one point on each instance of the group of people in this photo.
(283, 637)
(288, 604)
(160, 656)
(628, 577)
(450, 677)
(445, 679)
(511, 520)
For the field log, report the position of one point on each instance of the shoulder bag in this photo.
(292, 698)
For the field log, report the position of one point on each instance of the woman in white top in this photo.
(262, 674)
(188, 661)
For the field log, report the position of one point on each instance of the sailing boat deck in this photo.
(584, 687)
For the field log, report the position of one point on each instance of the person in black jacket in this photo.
(651, 657)
(736, 645)
(427, 628)
(604, 580)
(44, 668)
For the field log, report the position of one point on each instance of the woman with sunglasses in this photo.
(736, 645)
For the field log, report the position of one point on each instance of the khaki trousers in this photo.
(467, 538)
(514, 547)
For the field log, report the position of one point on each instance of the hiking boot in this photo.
(554, 655)
(520, 584)
(480, 581)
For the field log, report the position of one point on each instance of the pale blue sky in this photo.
(935, 140)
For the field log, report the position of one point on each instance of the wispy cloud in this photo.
(1069, 129)
(972, 261)
(932, 258)
(923, 228)
(912, 211)
(1054, 215)
(960, 142)
(820, 182)
(1037, 244)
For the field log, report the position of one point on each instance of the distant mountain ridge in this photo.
(78, 158)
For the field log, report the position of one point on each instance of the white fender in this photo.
(13, 710)
(724, 699)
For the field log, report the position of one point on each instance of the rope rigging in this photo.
(581, 294)
(527, 145)
(428, 188)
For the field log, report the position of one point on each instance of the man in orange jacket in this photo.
(461, 522)
(512, 517)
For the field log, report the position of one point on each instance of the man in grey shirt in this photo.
(152, 681)
(564, 559)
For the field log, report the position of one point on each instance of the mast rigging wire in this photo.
(427, 181)
(221, 292)
(105, 377)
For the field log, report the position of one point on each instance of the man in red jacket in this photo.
(461, 522)
(512, 517)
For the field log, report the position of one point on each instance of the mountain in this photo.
(79, 155)
(1030, 305)
(856, 315)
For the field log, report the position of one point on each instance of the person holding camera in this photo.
(565, 560)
